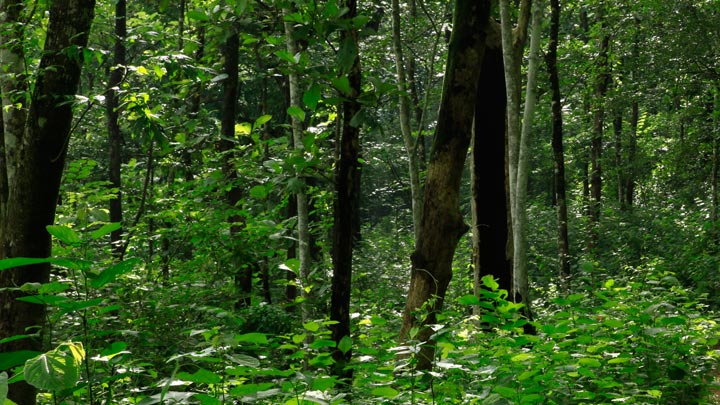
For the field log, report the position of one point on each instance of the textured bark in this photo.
(346, 225)
(405, 122)
(113, 114)
(442, 223)
(33, 180)
(557, 145)
(489, 189)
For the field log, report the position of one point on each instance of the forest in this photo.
(359, 202)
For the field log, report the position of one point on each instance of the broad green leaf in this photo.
(111, 273)
(202, 376)
(589, 362)
(323, 383)
(506, 392)
(64, 234)
(53, 371)
(21, 261)
(345, 344)
(105, 230)
(296, 112)
(256, 338)
(489, 282)
(12, 359)
(261, 120)
(469, 299)
(311, 97)
(206, 399)
(385, 392)
(609, 283)
(260, 192)
(197, 15)
(342, 84)
(521, 357)
(72, 306)
(312, 326)
(243, 128)
(249, 389)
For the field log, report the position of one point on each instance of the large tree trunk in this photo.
(35, 156)
(489, 189)
(442, 223)
(346, 224)
(115, 136)
(557, 146)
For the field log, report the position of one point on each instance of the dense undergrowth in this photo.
(634, 326)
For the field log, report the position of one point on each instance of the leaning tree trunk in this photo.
(442, 223)
(35, 152)
(346, 222)
(557, 146)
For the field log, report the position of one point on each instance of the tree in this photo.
(35, 147)
(346, 225)
(442, 223)
(557, 144)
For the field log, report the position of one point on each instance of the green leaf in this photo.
(261, 120)
(206, 399)
(55, 370)
(589, 362)
(21, 261)
(12, 359)
(296, 112)
(311, 97)
(469, 299)
(312, 326)
(256, 338)
(521, 357)
(249, 389)
(342, 84)
(609, 283)
(385, 392)
(111, 273)
(202, 376)
(64, 234)
(323, 383)
(72, 306)
(197, 15)
(489, 282)
(345, 344)
(105, 229)
(260, 192)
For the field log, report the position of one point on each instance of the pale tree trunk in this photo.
(442, 223)
(557, 146)
(301, 198)
(35, 152)
(115, 136)
(405, 122)
(519, 134)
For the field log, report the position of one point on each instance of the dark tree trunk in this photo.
(33, 182)
(632, 151)
(619, 167)
(346, 225)
(596, 142)
(115, 136)
(557, 145)
(243, 272)
(489, 188)
(442, 224)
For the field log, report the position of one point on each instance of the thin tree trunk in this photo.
(35, 152)
(442, 224)
(620, 175)
(596, 143)
(301, 198)
(115, 135)
(405, 121)
(557, 146)
(346, 224)
(632, 150)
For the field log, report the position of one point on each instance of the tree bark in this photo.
(301, 198)
(405, 121)
(115, 135)
(442, 223)
(557, 146)
(346, 224)
(34, 163)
